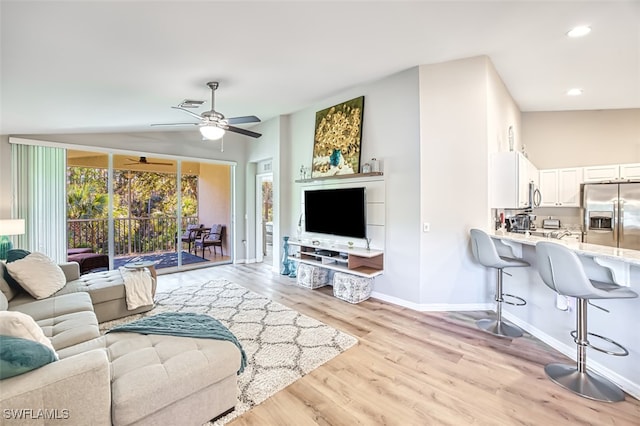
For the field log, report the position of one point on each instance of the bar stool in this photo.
(562, 271)
(484, 251)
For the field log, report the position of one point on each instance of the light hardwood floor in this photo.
(414, 368)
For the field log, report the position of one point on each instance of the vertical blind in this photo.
(39, 193)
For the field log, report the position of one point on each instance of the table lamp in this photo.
(9, 227)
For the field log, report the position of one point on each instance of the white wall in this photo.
(391, 134)
(267, 147)
(432, 128)
(454, 179)
(582, 138)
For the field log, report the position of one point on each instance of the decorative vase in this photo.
(285, 257)
(292, 269)
(375, 165)
(334, 159)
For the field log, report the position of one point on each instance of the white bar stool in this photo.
(562, 271)
(484, 250)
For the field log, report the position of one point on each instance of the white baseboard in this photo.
(433, 307)
(625, 384)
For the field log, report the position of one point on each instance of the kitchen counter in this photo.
(583, 249)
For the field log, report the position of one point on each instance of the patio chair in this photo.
(212, 237)
(191, 234)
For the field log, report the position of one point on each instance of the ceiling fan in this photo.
(213, 124)
(144, 162)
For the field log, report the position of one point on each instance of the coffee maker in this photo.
(522, 222)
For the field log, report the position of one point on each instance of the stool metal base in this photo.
(587, 384)
(499, 328)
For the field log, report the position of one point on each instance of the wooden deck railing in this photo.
(136, 235)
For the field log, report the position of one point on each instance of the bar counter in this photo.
(551, 318)
(583, 249)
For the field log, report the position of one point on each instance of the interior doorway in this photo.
(264, 217)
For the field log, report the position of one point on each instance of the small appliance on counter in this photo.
(521, 223)
(550, 223)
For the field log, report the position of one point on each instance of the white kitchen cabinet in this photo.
(510, 174)
(612, 172)
(549, 188)
(630, 171)
(560, 187)
(569, 181)
(601, 173)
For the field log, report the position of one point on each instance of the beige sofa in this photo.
(118, 378)
(106, 290)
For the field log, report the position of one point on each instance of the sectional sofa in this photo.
(119, 378)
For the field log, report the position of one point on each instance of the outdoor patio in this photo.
(138, 239)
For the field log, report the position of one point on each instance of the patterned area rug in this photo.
(163, 260)
(282, 345)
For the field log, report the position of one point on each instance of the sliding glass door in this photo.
(134, 216)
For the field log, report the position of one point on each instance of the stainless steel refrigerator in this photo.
(612, 214)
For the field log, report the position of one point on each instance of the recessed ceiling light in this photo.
(574, 92)
(580, 31)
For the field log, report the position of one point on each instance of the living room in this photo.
(430, 124)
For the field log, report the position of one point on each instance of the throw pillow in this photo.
(17, 356)
(4, 303)
(12, 256)
(5, 288)
(16, 254)
(39, 275)
(21, 325)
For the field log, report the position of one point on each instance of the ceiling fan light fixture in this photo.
(211, 132)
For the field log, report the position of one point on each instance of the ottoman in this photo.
(89, 261)
(310, 276)
(79, 250)
(162, 380)
(107, 294)
(351, 288)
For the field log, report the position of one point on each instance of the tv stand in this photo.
(339, 257)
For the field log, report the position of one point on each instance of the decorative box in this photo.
(312, 276)
(351, 288)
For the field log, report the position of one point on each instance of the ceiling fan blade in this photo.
(174, 124)
(242, 131)
(242, 120)
(198, 116)
(159, 164)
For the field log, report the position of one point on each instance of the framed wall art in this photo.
(337, 139)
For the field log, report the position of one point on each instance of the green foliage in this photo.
(87, 196)
(267, 201)
(144, 208)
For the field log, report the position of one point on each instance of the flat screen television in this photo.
(339, 212)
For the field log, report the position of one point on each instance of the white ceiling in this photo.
(115, 66)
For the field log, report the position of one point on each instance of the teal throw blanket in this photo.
(184, 324)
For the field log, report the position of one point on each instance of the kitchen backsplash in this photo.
(570, 217)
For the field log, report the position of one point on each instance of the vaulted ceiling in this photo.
(97, 66)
